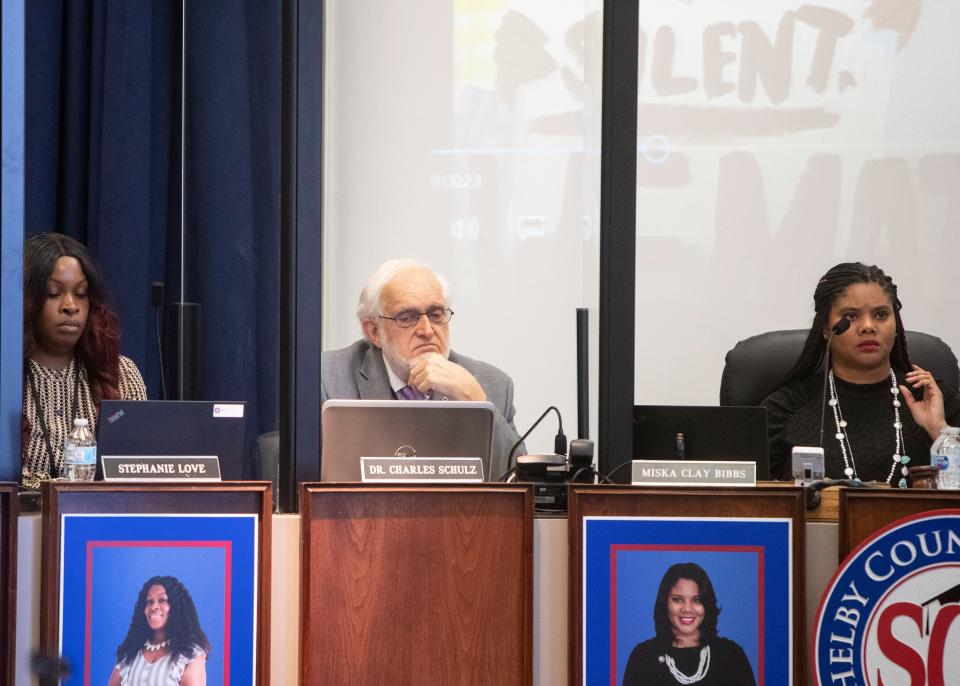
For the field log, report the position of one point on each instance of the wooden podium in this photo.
(866, 510)
(102, 541)
(408, 584)
(604, 505)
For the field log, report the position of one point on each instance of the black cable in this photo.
(608, 477)
(556, 442)
(156, 299)
(163, 379)
(812, 490)
(588, 469)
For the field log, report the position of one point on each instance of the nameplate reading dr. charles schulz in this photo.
(453, 470)
(693, 473)
(160, 467)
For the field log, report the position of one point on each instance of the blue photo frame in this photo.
(749, 562)
(105, 560)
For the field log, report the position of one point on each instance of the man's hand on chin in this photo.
(432, 372)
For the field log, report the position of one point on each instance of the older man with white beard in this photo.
(405, 353)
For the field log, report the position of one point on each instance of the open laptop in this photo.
(724, 433)
(175, 427)
(378, 428)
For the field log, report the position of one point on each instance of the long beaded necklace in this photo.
(899, 459)
(682, 678)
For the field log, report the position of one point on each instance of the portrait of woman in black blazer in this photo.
(687, 648)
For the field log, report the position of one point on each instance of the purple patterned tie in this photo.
(409, 393)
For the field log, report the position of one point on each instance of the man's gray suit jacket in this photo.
(359, 372)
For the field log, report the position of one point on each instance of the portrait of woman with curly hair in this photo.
(164, 645)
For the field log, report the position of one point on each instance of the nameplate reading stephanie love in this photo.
(160, 467)
(451, 470)
(693, 473)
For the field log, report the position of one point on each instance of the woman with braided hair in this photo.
(165, 645)
(881, 411)
(71, 351)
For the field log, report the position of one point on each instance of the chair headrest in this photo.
(756, 366)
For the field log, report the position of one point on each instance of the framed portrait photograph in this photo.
(166, 587)
(681, 598)
(8, 580)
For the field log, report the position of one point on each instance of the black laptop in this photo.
(175, 427)
(709, 433)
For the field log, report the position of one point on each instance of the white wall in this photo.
(466, 135)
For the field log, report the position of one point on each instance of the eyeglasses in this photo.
(408, 318)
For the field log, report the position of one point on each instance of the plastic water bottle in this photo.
(680, 447)
(945, 456)
(79, 452)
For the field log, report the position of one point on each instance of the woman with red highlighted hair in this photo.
(71, 351)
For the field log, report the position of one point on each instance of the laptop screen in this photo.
(175, 427)
(725, 433)
(378, 428)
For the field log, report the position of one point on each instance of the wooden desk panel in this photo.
(416, 585)
(864, 511)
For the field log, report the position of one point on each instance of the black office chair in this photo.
(756, 366)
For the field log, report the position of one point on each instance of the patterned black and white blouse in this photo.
(55, 387)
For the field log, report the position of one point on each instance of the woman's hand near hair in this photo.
(196, 672)
(114, 678)
(928, 411)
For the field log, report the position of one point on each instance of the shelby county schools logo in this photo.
(891, 615)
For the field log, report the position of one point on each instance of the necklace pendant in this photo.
(903, 483)
(848, 471)
(154, 647)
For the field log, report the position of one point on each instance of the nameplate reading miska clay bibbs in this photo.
(693, 473)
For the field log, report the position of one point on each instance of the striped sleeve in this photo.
(131, 382)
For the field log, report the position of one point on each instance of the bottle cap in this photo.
(80, 421)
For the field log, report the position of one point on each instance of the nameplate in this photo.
(160, 467)
(451, 470)
(693, 473)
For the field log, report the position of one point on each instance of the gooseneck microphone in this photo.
(156, 299)
(837, 329)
